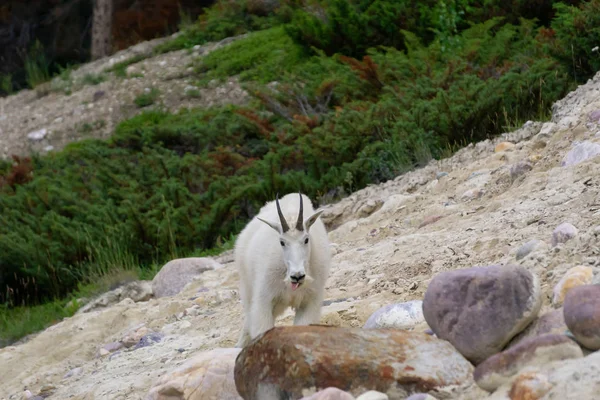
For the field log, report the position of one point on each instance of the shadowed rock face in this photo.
(286, 360)
(499, 368)
(480, 309)
(582, 315)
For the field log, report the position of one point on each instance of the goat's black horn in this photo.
(284, 225)
(299, 223)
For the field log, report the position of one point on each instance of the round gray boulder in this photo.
(175, 274)
(480, 309)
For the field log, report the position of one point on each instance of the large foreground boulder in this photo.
(288, 362)
(480, 309)
(174, 275)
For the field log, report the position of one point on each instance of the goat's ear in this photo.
(311, 220)
(271, 224)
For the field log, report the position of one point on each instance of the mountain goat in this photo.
(281, 267)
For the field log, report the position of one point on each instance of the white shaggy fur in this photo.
(268, 270)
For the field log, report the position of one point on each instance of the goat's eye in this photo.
(306, 241)
(281, 242)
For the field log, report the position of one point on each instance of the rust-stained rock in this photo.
(537, 351)
(480, 309)
(582, 315)
(529, 386)
(293, 360)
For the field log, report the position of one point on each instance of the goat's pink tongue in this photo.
(294, 285)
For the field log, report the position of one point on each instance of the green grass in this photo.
(262, 57)
(147, 98)
(110, 266)
(6, 84)
(120, 69)
(93, 79)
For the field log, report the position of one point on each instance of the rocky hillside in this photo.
(90, 101)
(485, 250)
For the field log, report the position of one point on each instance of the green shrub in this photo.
(169, 185)
(577, 31)
(263, 57)
(224, 19)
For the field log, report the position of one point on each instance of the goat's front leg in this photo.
(262, 318)
(309, 311)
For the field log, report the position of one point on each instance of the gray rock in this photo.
(563, 233)
(398, 316)
(38, 135)
(594, 116)
(480, 309)
(331, 393)
(149, 340)
(373, 395)
(421, 396)
(528, 247)
(551, 322)
(175, 274)
(581, 152)
(535, 351)
(136, 291)
(520, 168)
(582, 314)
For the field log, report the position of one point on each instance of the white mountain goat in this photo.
(281, 267)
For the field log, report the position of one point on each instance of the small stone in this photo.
(48, 148)
(594, 116)
(149, 340)
(352, 359)
(534, 158)
(529, 386)
(576, 276)
(504, 146)
(430, 220)
(27, 395)
(528, 247)
(397, 316)
(110, 348)
(103, 352)
(582, 315)
(47, 390)
(563, 233)
(331, 393)
(373, 395)
(547, 130)
(98, 95)
(134, 336)
(520, 168)
(472, 194)
(536, 351)
(421, 396)
(38, 135)
(74, 372)
(480, 309)
(580, 153)
(440, 175)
